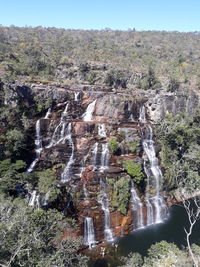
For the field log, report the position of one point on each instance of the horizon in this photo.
(103, 29)
(169, 16)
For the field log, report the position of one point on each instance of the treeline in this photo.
(116, 58)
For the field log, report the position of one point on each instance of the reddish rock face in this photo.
(85, 150)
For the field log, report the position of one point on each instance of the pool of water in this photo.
(172, 230)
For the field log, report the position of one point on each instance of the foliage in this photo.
(166, 254)
(113, 145)
(173, 85)
(135, 170)
(15, 141)
(180, 153)
(47, 183)
(149, 81)
(161, 254)
(31, 238)
(11, 174)
(121, 58)
(120, 194)
(133, 259)
(133, 146)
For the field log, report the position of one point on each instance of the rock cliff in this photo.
(102, 145)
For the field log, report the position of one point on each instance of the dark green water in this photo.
(172, 230)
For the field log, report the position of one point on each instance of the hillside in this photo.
(99, 136)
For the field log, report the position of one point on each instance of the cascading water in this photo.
(38, 146)
(142, 115)
(154, 215)
(34, 200)
(76, 96)
(89, 235)
(46, 199)
(102, 130)
(59, 132)
(48, 114)
(137, 207)
(87, 116)
(85, 191)
(130, 111)
(94, 154)
(104, 157)
(66, 175)
(103, 200)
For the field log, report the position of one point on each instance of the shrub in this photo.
(135, 170)
(113, 145)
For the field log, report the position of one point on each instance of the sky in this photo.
(169, 15)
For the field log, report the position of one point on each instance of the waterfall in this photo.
(152, 172)
(76, 96)
(66, 175)
(89, 235)
(46, 199)
(94, 154)
(103, 200)
(130, 111)
(48, 113)
(83, 165)
(87, 116)
(86, 195)
(137, 206)
(59, 132)
(150, 217)
(142, 115)
(102, 130)
(34, 200)
(38, 146)
(104, 157)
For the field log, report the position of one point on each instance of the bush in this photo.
(120, 193)
(113, 145)
(135, 170)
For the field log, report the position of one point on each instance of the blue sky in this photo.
(180, 15)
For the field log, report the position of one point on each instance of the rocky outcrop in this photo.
(77, 138)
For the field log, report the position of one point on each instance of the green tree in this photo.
(33, 237)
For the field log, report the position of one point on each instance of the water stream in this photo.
(102, 130)
(87, 116)
(137, 207)
(67, 172)
(104, 201)
(94, 154)
(89, 235)
(104, 157)
(142, 115)
(154, 201)
(59, 132)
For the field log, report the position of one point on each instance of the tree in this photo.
(193, 214)
(34, 237)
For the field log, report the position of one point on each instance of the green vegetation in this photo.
(47, 183)
(113, 145)
(33, 238)
(133, 146)
(120, 194)
(135, 170)
(161, 254)
(180, 153)
(125, 59)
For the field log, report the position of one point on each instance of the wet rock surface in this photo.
(84, 151)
